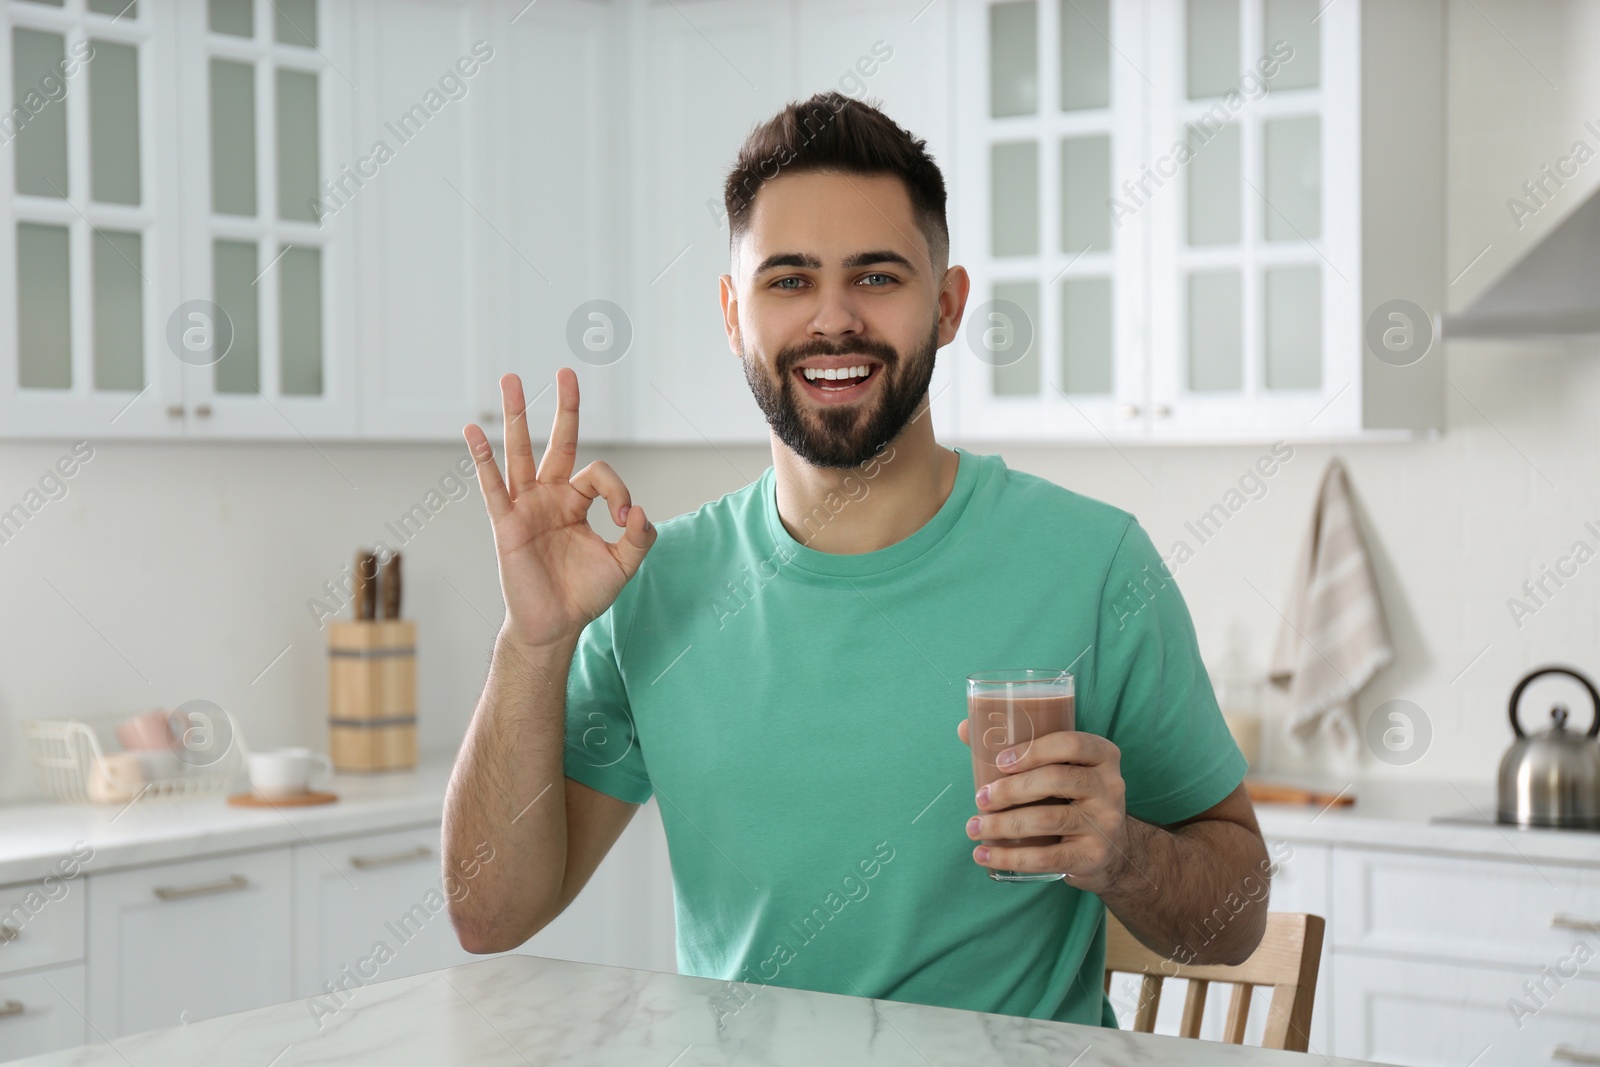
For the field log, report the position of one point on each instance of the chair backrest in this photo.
(1287, 960)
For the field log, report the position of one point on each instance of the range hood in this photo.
(1553, 291)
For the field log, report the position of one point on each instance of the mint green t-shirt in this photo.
(795, 712)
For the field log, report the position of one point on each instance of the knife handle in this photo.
(390, 586)
(365, 596)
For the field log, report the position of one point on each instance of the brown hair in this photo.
(833, 133)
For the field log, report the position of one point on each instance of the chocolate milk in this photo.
(997, 720)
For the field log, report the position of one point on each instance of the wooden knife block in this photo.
(372, 694)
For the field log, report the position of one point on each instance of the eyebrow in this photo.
(859, 259)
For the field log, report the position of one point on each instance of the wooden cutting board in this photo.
(1270, 793)
(300, 800)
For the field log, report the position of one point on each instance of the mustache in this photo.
(883, 353)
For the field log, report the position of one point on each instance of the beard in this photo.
(842, 435)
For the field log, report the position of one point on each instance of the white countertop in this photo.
(1397, 815)
(35, 837)
(518, 1010)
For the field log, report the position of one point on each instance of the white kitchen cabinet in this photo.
(42, 1011)
(704, 75)
(1190, 255)
(175, 177)
(371, 908)
(89, 247)
(185, 941)
(1415, 1013)
(267, 94)
(551, 265)
(418, 209)
(41, 924)
(1489, 911)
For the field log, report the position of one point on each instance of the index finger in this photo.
(1063, 746)
(556, 466)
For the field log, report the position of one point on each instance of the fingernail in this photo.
(982, 853)
(625, 509)
(972, 826)
(983, 796)
(1005, 759)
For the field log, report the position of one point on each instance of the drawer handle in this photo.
(8, 933)
(1574, 1055)
(364, 862)
(1572, 922)
(169, 892)
(11, 1007)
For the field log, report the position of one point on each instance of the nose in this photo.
(836, 314)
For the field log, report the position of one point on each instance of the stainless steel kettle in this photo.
(1552, 778)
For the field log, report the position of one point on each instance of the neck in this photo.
(863, 509)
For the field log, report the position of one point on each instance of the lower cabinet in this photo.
(1421, 1014)
(42, 1011)
(371, 908)
(185, 941)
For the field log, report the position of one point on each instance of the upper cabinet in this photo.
(313, 219)
(1200, 219)
(90, 241)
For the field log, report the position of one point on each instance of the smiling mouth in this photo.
(838, 391)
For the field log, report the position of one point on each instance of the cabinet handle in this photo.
(1572, 922)
(1160, 411)
(1574, 1055)
(8, 933)
(1128, 411)
(365, 862)
(11, 1007)
(203, 410)
(174, 411)
(233, 882)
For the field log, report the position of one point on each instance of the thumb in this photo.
(637, 536)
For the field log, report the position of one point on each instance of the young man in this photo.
(786, 668)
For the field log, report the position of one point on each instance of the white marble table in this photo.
(525, 1010)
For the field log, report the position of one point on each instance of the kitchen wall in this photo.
(169, 572)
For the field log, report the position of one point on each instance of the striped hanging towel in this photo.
(1334, 638)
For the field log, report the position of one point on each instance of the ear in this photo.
(729, 296)
(953, 303)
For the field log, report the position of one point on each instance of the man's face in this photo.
(834, 271)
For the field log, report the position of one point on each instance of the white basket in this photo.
(66, 753)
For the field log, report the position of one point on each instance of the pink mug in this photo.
(147, 731)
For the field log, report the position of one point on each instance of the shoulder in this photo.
(1042, 504)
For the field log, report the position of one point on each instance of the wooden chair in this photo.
(1287, 960)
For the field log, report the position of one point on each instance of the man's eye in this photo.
(879, 274)
(780, 281)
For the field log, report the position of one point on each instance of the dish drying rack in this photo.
(65, 752)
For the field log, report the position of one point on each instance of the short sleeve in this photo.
(602, 747)
(1178, 756)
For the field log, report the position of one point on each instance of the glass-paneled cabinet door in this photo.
(89, 244)
(1051, 96)
(264, 321)
(1255, 217)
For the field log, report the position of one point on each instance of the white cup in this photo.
(284, 772)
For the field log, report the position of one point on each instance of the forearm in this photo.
(506, 792)
(1197, 894)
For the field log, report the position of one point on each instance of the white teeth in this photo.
(812, 373)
